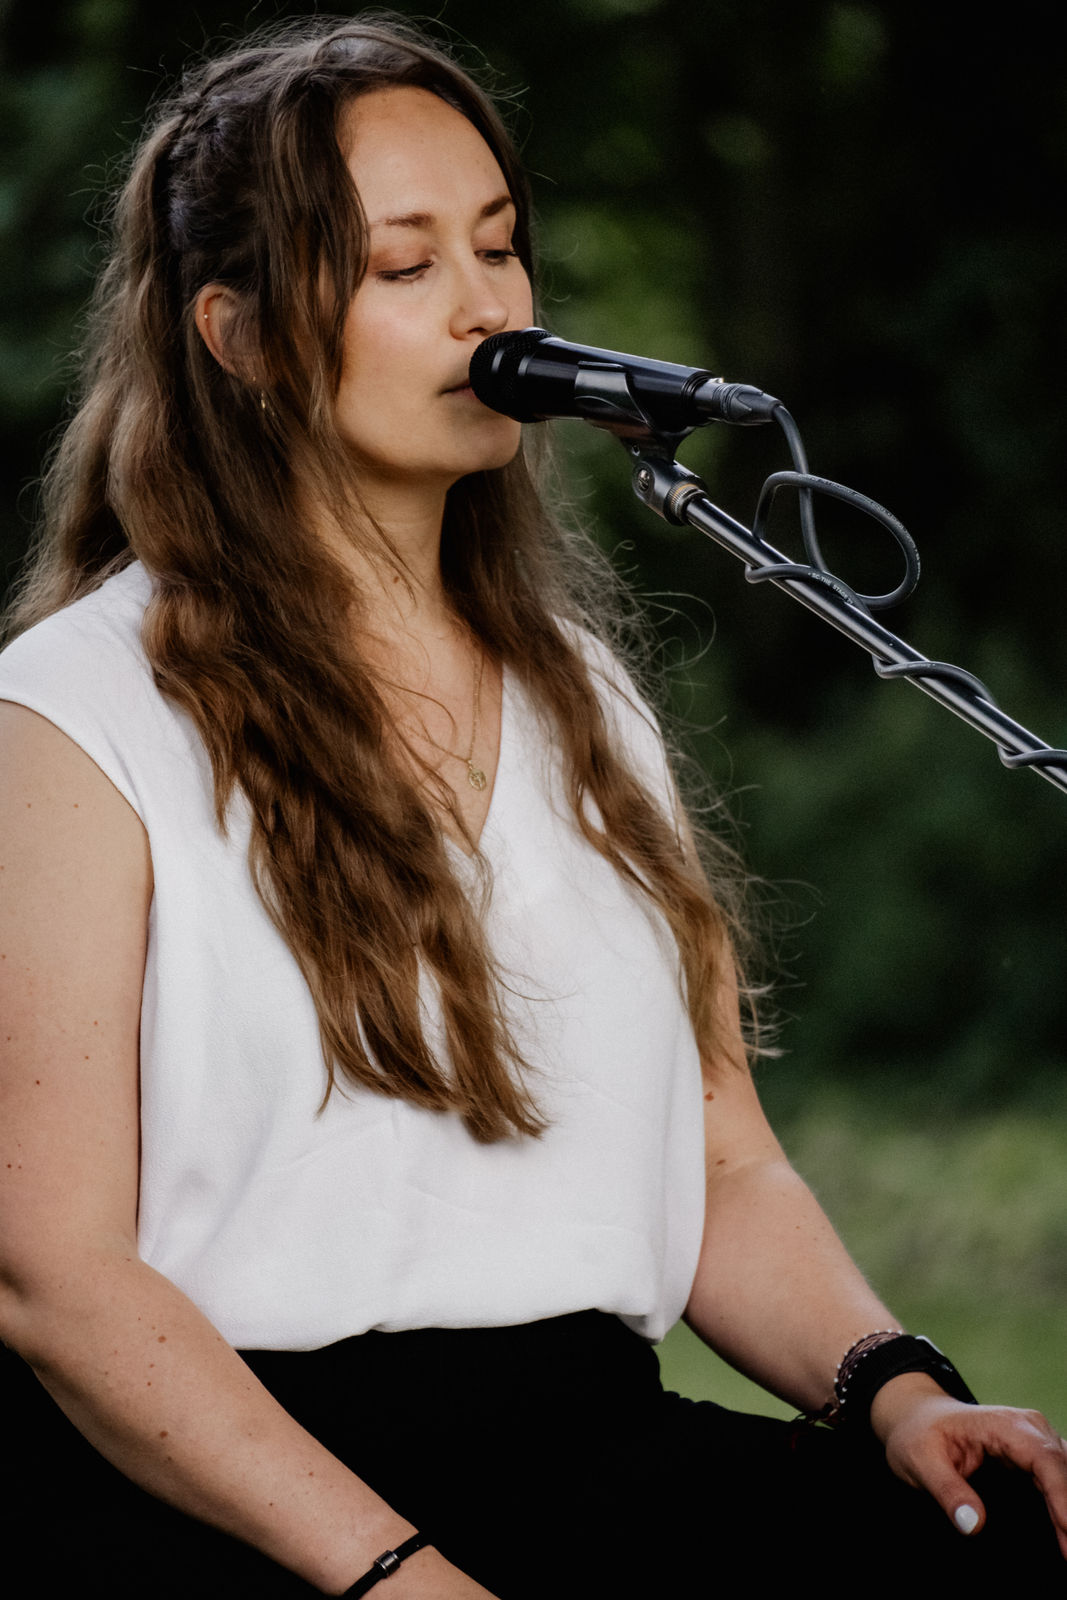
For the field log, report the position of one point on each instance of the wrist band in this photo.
(871, 1362)
(903, 1353)
(385, 1565)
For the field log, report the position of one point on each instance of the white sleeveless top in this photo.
(290, 1227)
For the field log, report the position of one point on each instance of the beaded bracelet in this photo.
(385, 1565)
(850, 1361)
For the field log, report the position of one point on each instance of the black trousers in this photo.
(546, 1461)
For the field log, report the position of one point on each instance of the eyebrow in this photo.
(426, 219)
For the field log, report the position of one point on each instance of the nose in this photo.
(482, 304)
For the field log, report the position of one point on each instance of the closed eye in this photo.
(401, 274)
(495, 258)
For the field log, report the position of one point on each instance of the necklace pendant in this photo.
(475, 776)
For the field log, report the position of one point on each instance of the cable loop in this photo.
(791, 569)
(807, 485)
(943, 670)
(1032, 758)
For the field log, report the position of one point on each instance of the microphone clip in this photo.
(604, 396)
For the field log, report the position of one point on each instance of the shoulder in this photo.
(102, 628)
(612, 679)
(632, 722)
(84, 670)
(75, 657)
(64, 825)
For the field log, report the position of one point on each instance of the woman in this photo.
(307, 759)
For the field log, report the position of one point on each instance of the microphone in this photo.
(531, 375)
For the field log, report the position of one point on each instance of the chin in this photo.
(504, 448)
(487, 461)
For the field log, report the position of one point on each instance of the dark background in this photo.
(859, 207)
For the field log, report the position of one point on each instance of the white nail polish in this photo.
(966, 1519)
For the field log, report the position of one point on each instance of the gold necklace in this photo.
(475, 775)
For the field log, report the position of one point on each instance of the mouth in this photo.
(462, 387)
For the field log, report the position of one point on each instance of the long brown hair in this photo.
(199, 473)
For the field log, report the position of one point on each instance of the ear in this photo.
(215, 309)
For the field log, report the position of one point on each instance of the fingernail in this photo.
(966, 1519)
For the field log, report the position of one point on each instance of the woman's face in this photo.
(441, 277)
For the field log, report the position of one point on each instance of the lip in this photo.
(462, 387)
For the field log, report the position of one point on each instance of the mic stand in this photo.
(680, 497)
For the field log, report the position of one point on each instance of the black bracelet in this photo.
(905, 1353)
(385, 1565)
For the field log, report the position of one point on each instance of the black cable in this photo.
(807, 486)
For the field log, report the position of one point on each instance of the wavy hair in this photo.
(200, 473)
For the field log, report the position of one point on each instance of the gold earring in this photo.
(264, 399)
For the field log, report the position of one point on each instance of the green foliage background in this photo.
(860, 207)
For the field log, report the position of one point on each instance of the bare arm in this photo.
(777, 1294)
(131, 1361)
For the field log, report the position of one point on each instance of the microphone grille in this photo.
(495, 364)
